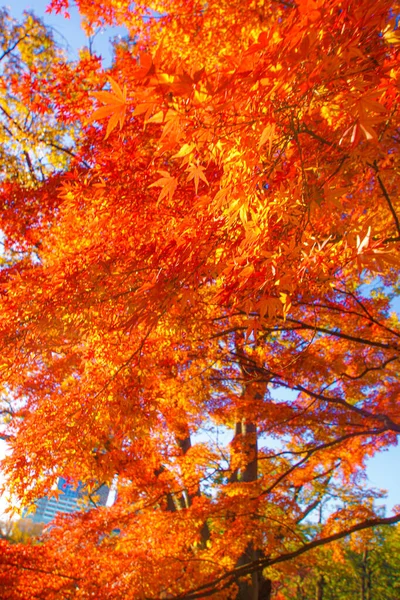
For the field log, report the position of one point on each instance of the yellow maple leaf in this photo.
(267, 135)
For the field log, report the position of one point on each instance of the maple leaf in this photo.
(186, 149)
(115, 107)
(267, 135)
(167, 184)
(196, 172)
(146, 66)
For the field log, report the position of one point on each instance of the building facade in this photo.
(70, 500)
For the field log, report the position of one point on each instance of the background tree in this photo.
(364, 567)
(35, 143)
(231, 233)
(20, 530)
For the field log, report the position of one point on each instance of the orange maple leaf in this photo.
(115, 107)
(196, 172)
(167, 184)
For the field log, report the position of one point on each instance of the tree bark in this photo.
(185, 443)
(366, 587)
(255, 586)
(319, 591)
(246, 436)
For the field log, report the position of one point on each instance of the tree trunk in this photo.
(254, 586)
(300, 591)
(319, 591)
(185, 443)
(366, 584)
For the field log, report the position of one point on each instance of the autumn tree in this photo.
(220, 261)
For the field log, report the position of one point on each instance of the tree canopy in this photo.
(217, 260)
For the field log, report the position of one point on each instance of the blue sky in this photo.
(67, 31)
(383, 469)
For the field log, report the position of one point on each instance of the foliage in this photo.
(362, 567)
(21, 530)
(221, 257)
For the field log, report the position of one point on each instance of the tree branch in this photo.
(227, 579)
(388, 200)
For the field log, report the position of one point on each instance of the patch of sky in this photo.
(68, 32)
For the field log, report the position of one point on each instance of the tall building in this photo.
(70, 500)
